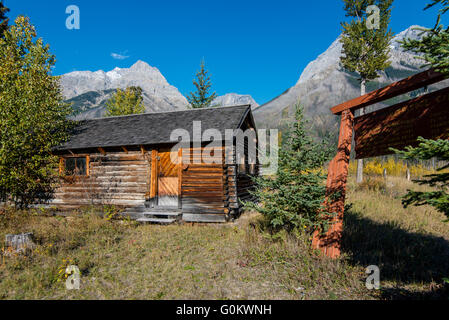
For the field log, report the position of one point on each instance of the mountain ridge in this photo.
(324, 83)
(88, 91)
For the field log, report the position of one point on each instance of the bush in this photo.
(293, 198)
(33, 116)
(373, 184)
(439, 199)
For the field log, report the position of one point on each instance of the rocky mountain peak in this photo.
(140, 74)
(89, 90)
(142, 67)
(324, 84)
(234, 99)
(330, 59)
(412, 32)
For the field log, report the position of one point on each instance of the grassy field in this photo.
(125, 260)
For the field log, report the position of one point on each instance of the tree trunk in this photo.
(362, 112)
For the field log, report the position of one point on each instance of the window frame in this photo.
(62, 165)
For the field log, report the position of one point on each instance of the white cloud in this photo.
(118, 56)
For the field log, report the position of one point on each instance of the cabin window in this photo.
(76, 166)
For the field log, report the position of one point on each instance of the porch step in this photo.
(160, 216)
(156, 220)
(156, 208)
(162, 213)
(155, 215)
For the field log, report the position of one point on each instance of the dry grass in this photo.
(411, 246)
(125, 260)
(121, 260)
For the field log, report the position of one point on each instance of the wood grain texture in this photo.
(113, 179)
(330, 243)
(168, 180)
(202, 188)
(393, 90)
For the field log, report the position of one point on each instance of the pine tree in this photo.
(3, 19)
(202, 98)
(366, 51)
(434, 46)
(33, 116)
(125, 102)
(293, 199)
(439, 199)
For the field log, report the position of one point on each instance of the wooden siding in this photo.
(204, 194)
(209, 192)
(118, 178)
(232, 179)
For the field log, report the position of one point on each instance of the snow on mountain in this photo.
(80, 87)
(233, 99)
(324, 84)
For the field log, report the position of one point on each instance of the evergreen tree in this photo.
(3, 19)
(125, 102)
(294, 198)
(202, 98)
(33, 116)
(434, 46)
(439, 199)
(366, 51)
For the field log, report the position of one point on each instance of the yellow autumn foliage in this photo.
(397, 168)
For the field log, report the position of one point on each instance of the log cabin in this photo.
(140, 164)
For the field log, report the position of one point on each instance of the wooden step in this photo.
(162, 213)
(163, 209)
(157, 220)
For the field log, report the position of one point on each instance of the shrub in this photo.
(373, 184)
(33, 116)
(439, 199)
(293, 198)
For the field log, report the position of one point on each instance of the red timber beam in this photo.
(415, 82)
(330, 243)
(337, 177)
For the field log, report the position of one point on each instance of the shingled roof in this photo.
(151, 128)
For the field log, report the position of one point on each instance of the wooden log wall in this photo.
(231, 171)
(118, 178)
(209, 192)
(204, 187)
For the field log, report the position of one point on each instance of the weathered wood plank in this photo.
(206, 218)
(153, 185)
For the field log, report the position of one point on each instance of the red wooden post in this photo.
(330, 243)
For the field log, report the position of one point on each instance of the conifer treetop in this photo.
(434, 45)
(366, 51)
(202, 98)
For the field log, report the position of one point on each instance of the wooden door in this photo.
(168, 184)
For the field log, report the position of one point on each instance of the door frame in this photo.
(154, 175)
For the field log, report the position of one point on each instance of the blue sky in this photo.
(250, 47)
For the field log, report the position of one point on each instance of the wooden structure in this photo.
(137, 163)
(397, 126)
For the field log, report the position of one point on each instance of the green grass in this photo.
(126, 260)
